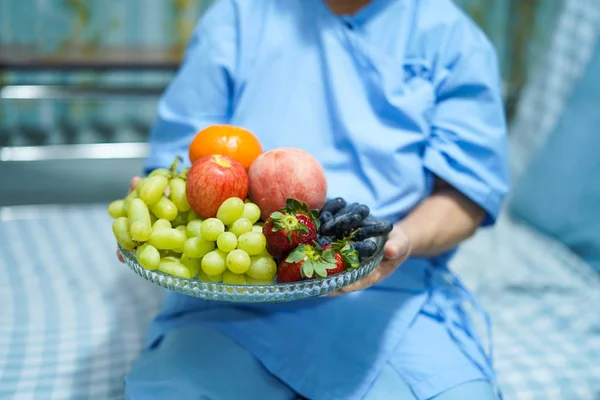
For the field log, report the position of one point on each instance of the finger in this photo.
(382, 271)
(373, 278)
(120, 256)
(134, 182)
(397, 246)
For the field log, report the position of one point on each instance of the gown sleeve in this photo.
(467, 146)
(200, 94)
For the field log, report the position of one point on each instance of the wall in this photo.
(518, 29)
(51, 25)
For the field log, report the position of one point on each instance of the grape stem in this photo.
(173, 167)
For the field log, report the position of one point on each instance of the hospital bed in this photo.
(72, 319)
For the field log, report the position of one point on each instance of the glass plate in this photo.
(256, 293)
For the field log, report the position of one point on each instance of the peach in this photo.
(285, 173)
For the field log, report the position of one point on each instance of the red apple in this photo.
(212, 180)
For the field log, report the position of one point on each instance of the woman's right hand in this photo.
(134, 182)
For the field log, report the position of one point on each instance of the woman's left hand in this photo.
(396, 251)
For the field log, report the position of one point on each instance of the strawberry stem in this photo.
(293, 206)
(290, 222)
(313, 261)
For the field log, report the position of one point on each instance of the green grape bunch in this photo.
(156, 223)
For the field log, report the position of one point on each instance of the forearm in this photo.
(441, 222)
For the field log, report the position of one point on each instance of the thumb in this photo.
(134, 182)
(398, 244)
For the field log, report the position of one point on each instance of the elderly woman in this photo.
(400, 101)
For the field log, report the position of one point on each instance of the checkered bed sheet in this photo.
(550, 84)
(543, 302)
(72, 319)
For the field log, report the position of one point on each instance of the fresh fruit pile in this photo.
(242, 216)
(336, 239)
(157, 221)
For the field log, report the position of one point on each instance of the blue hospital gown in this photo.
(386, 99)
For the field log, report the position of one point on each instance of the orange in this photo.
(233, 141)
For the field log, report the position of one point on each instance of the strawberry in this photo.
(340, 267)
(289, 272)
(306, 262)
(346, 257)
(292, 226)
